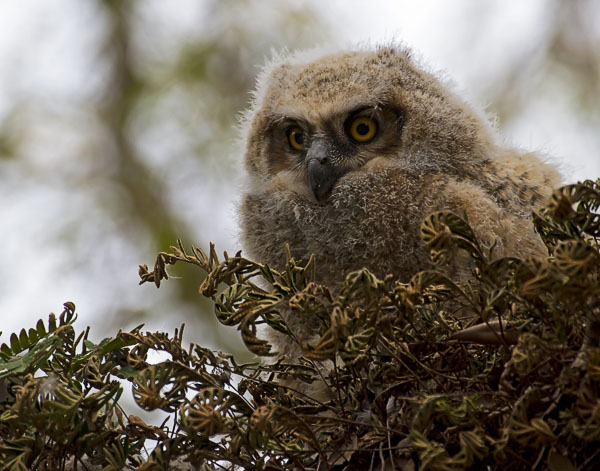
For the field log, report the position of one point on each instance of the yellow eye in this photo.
(363, 129)
(296, 138)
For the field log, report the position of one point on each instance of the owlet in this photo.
(347, 153)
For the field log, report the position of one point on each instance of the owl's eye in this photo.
(295, 137)
(362, 129)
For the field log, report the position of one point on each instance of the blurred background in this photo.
(117, 128)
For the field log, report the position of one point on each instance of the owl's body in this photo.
(348, 153)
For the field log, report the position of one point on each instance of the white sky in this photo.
(44, 53)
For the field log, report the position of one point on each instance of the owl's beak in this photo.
(322, 174)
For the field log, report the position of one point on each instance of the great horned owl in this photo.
(348, 152)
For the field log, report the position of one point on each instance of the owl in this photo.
(347, 152)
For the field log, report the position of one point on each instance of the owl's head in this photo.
(316, 121)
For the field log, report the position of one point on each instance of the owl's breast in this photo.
(370, 221)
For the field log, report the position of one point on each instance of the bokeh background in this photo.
(117, 128)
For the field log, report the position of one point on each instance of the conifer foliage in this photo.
(499, 372)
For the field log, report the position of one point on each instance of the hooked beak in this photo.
(322, 173)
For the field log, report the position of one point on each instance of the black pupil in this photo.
(362, 129)
(299, 138)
